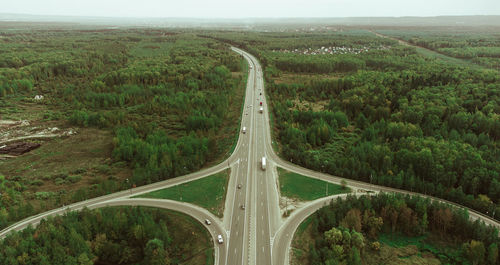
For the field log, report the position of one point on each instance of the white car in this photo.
(244, 129)
(219, 239)
(208, 222)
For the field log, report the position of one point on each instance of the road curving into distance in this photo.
(253, 228)
(280, 246)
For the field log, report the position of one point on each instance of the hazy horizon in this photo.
(227, 9)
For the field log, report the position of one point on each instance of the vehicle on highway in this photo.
(243, 206)
(208, 222)
(239, 186)
(263, 163)
(219, 239)
(261, 103)
(244, 130)
(260, 93)
(261, 109)
(251, 66)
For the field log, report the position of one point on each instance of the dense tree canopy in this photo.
(171, 98)
(346, 227)
(388, 116)
(106, 236)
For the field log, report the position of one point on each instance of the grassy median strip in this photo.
(304, 188)
(208, 192)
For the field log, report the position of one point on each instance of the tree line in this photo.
(123, 235)
(412, 122)
(347, 229)
(171, 99)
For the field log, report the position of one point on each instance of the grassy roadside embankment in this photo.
(208, 192)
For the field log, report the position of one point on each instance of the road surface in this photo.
(253, 228)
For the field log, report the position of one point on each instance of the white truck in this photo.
(263, 163)
(261, 109)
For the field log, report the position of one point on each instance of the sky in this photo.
(251, 8)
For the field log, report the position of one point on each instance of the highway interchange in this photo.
(253, 228)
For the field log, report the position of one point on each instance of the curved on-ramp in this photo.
(281, 233)
(196, 212)
(280, 248)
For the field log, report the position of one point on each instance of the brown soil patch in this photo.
(305, 105)
(86, 151)
(16, 149)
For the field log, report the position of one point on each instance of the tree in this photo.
(354, 257)
(443, 218)
(83, 259)
(422, 225)
(358, 240)
(343, 183)
(155, 254)
(333, 236)
(352, 220)
(338, 251)
(475, 251)
(492, 254)
(372, 224)
(407, 219)
(346, 238)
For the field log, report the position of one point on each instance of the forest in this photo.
(350, 231)
(151, 104)
(479, 45)
(389, 116)
(122, 235)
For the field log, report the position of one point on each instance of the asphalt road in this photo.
(257, 234)
(274, 233)
(238, 209)
(285, 234)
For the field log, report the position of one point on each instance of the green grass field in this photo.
(208, 192)
(297, 186)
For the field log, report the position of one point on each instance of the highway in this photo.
(253, 228)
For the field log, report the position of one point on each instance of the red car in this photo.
(261, 103)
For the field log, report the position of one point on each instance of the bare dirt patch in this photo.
(304, 105)
(14, 131)
(86, 154)
(15, 149)
(289, 204)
